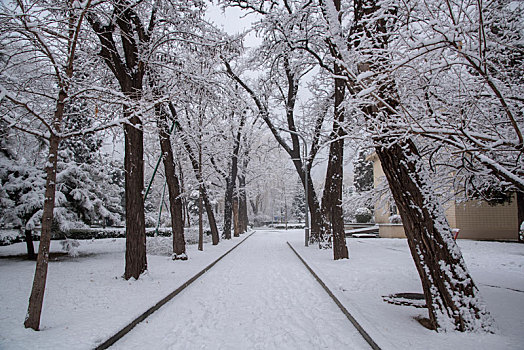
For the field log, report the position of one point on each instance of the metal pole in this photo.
(157, 164)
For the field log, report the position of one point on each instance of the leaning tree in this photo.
(451, 295)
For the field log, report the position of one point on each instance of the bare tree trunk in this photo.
(520, 210)
(136, 261)
(319, 227)
(197, 170)
(185, 206)
(175, 201)
(236, 218)
(448, 287)
(210, 215)
(242, 204)
(335, 172)
(228, 203)
(29, 243)
(231, 179)
(36, 298)
(128, 68)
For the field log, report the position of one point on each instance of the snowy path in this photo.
(258, 297)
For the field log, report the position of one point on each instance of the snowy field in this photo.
(259, 296)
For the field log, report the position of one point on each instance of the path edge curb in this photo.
(113, 339)
(342, 308)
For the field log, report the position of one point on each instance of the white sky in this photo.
(233, 21)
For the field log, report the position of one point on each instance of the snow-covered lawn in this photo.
(87, 301)
(379, 267)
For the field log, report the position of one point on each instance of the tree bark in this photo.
(332, 201)
(334, 179)
(451, 296)
(228, 203)
(319, 227)
(36, 298)
(185, 206)
(236, 218)
(200, 211)
(242, 204)
(231, 179)
(448, 287)
(173, 185)
(520, 210)
(136, 260)
(128, 68)
(29, 243)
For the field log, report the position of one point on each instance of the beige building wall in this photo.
(391, 231)
(475, 219)
(479, 220)
(381, 213)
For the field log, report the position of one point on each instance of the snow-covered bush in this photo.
(395, 219)
(70, 246)
(363, 215)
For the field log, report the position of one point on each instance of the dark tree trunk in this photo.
(200, 209)
(200, 223)
(29, 243)
(36, 298)
(319, 227)
(175, 201)
(451, 295)
(334, 178)
(448, 288)
(185, 206)
(136, 261)
(242, 204)
(128, 68)
(520, 209)
(236, 218)
(254, 205)
(210, 215)
(231, 179)
(198, 174)
(332, 201)
(228, 203)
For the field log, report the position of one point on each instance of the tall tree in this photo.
(332, 197)
(197, 169)
(287, 26)
(231, 178)
(172, 180)
(450, 292)
(128, 64)
(173, 184)
(30, 24)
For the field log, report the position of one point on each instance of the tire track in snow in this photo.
(259, 297)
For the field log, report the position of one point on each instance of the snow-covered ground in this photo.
(379, 267)
(86, 299)
(259, 296)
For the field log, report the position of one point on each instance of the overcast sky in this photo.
(233, 21)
